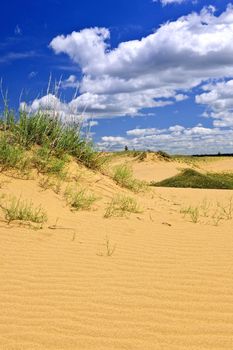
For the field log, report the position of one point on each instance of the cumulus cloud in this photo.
(70, 82)
(175, 139)
(218, 98)
(156, 70)
(53, 106)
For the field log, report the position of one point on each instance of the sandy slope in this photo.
(152, 168)
(168, 284)
(221, 164)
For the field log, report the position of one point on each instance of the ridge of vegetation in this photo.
(56, 139)
(190, 178)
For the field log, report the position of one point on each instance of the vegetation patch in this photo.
(122, 205)
(16, 209)
(123, 176)
(57, 139)
(163, 155)
(209, 212)
(11, 156)
(45, 163)
(190, 178)
(79, 200)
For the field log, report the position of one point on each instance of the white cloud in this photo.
(143, 132)
(175, 139)
(70, 82)
(218, 98)
(168, 2)
(154, 71)
(116, 140)
(14, 56)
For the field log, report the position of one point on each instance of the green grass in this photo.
(45, 163)
(49, 132)
(79, 200)
(123, 176)
(16, 209)
(121, 205)
(11, 156)
(190, 178)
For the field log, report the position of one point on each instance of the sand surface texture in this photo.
(167, 285)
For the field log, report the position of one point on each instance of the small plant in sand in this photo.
(123, 176)
(47, 183)
(122, 205)
(109, 248)
(216, 218)
(79, 200)
(215, 211)
(226, 210)
(193, 212)
(205, 208)
(16, 209)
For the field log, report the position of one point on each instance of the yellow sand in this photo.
(168, 284)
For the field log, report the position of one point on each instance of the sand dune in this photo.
(168, 284)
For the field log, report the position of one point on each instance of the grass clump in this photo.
(163, 155)
(193, 212)
(121, 205)
(123, 176)
(79, 200)
(16, 209)
(11, 156)
(48, 131)
(45, 163)
(190, 178)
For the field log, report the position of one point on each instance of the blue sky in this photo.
(152, 75)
